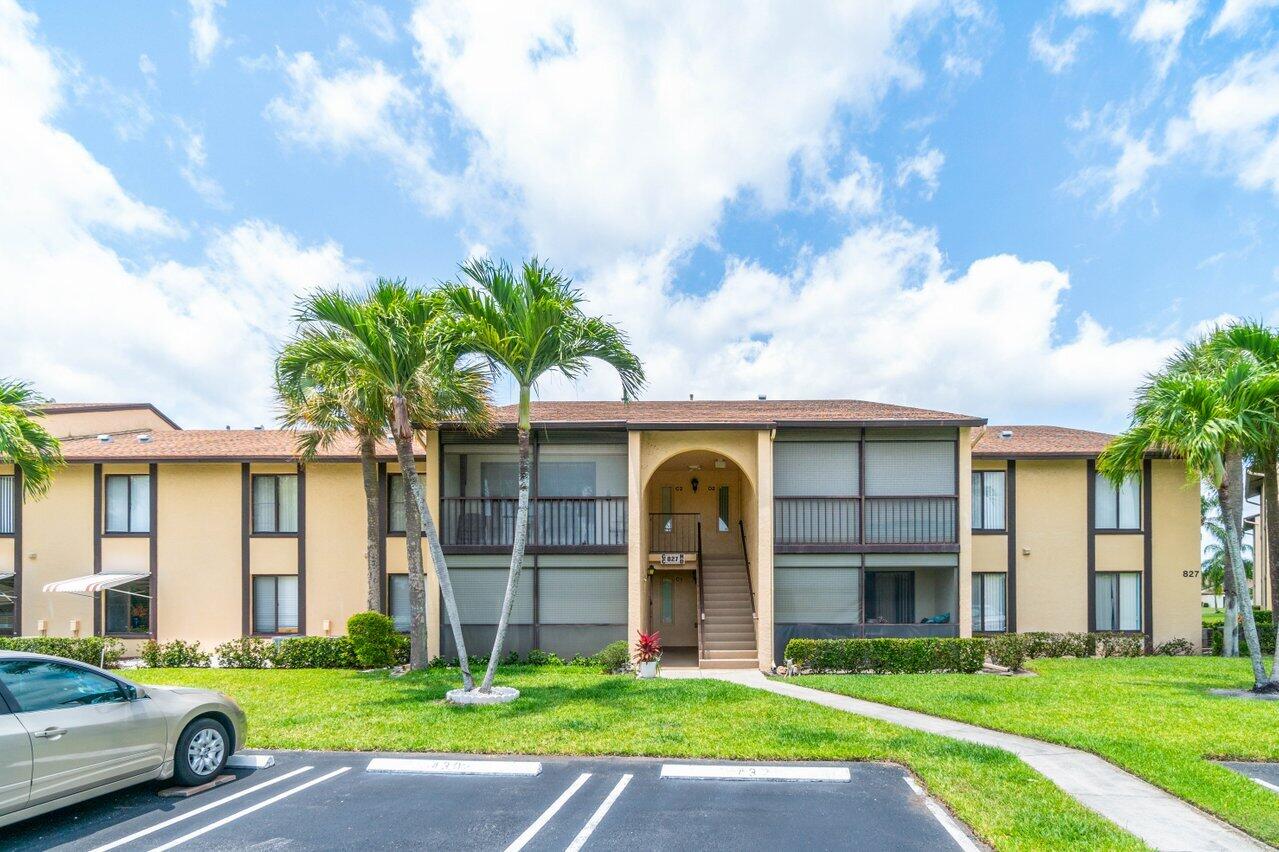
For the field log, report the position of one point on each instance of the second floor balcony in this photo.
(868, 521)
(556, 524)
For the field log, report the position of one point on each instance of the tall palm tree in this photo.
(1258, 344)
(384, 337)
(326, 400)
(529, 324)
(1213, 574)
(24, 443)
(1203, 410)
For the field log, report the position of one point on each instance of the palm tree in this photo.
(1204, 410)
(1213, 574)
(24, 443)
(1258, 344)
(327, 400)
(384, 339)
(529, 324)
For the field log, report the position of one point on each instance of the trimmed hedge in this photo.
(88, 649)
(173, 655)
(888, 656)
(1009, 650)
(373, 637)
(315, 652)
(1265, 633)
(249, 652)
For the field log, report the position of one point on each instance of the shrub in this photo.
(1175, 648)
(538, 657)
(249, 652)
(1061, 645)
(372, 636)
(173, 655)
(1009, 650)
(315, 652)
(614, 658)
(400, 650)
(1120, 645)
(93, 650)
(885, 656)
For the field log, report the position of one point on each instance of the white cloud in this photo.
(146, 66)
(194, 168)
(988, 340)
(1236, 16)
(629, 127)
(362, 109)
(1162, 24)
(195, 339)
(206, 36)
(1081, 8)
(377, 21)
(1056, 56)
(925, 167)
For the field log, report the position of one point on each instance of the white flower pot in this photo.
(647, 670)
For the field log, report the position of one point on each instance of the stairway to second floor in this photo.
(728, 625)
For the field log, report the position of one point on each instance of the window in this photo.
(815, 468)
(1118, 600)
(6, 504)
(566, 479)
(43, 685)
(1118, 507)
(910, 468)
(499, 479)
(397, 598)
(396, 494)
(990, 596)
(129, 608)
(723, 508)
(275, 503)
(988, 499)
(8, 607)
(128, 503)
(275, 604)
(817, 594)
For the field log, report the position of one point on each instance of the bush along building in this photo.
(729, 527)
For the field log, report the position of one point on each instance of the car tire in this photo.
(201, 753)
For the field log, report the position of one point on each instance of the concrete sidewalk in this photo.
(1160, 819)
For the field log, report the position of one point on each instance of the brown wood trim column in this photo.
(97, 546)
(301, 550)
(17, 551)
(1091, 503)
(1010, 497)
(383, 524)
(861, 501)
(153, 551)
(246, 526)
(1147, 555)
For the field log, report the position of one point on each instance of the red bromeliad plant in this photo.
(648, 648)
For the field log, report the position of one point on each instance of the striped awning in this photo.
(4, 575)
(90, 583)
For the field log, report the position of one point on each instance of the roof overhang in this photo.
(92, 583)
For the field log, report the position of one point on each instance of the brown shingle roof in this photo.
(729, 413)
(208, 445)
(1039, 441)
(73, 407)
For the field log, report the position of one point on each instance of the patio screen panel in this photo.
(815, 468)
(816, 595)
(910, 468)
(479, 593)
(582, 595)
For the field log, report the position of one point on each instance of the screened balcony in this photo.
(837, 491)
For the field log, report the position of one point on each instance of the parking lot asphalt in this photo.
(328, 800)
(1267, 774)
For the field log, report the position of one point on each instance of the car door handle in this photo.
(49, 733)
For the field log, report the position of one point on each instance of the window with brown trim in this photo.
(128, 503)
(989, 508)
(275, 503)
(990, 602)
(8, 499)
(1118, 507)
(275, 603)
(1118, 600)
(128, 609)
(396, 494)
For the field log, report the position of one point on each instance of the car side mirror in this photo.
(133, 692)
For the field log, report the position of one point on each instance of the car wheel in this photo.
(201, 752)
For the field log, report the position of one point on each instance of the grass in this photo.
(1153, 716)
(576, 711)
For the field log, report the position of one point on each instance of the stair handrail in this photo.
(701, 596)
(741, 525)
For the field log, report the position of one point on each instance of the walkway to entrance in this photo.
(1158, 818)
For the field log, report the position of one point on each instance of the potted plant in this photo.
(648, 652)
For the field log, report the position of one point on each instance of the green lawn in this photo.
(1152, 716)
(575, 711)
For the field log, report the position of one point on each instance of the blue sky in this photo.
(1010, 210)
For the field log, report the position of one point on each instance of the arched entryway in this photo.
(701, 512)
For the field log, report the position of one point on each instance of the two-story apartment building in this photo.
(729, 527)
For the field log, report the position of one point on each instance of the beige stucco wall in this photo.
(990, 553)
(81, 423)
(965, 532)
(57, 537)
(198, 553)
(1121, 551)
(1175, 550)
(1052, 546)
(336, 562)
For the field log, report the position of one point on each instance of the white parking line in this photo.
(598, 816)
(730, 772)
(454, 767)
(943, 816)
(259, 806)
(532, 830)
(1266, 784)
(180, 817)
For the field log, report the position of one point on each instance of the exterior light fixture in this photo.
(694, 484)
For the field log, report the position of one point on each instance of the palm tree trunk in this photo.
(517, 546)
(417, 575)
(373, 522)
(1233, 546)
(1270, 520)
(427, 529)
(1234, 510)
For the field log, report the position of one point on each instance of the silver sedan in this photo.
(70, 731)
